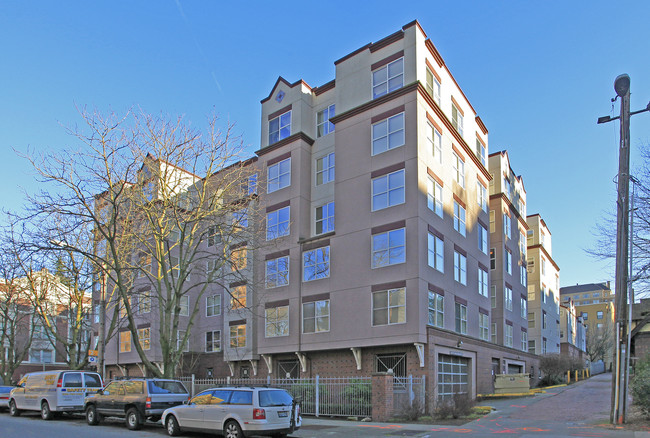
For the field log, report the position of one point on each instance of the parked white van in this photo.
(53, 391)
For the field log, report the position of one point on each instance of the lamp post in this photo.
(622, 283)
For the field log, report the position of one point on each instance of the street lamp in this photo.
(619, 391)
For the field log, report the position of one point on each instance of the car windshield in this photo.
(275, 398)
(166, 387)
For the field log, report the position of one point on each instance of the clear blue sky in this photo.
(538, 73)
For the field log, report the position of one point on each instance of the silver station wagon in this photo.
(236, 412)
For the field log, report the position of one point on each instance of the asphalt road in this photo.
(579, 410)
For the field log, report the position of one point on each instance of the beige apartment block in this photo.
(508, 275)
(573, 332)
(543, 290)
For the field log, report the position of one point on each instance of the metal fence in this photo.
(409, 392)
(326, 396)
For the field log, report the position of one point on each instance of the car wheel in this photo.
(92, 417)
(173, 429)
(133, 419)
(46, 413)
(232, 430)
(13, 410)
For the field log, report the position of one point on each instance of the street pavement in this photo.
(578, 410)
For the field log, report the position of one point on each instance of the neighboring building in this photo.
(594, 302)
(591, 293)
(507, 243)
(374, 189)
(572, 332)
(543, 290)
(641, 329)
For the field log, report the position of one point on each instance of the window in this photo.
(544, 319)
(543, 266)
(522, 245)
(240, 219)
(482, 282)
(316, 264)
(484, 326)
(434, 196)
(524, 307)
(238, 297)
(436, 253)
(277, 272)
(544, 349)
(434, 138)
(280, 127)
(144, 303)
(494, 333)
(493, 296)
(388, 78)
(457, 119)
(323, 124)
(436, 309)
(144, 334)
(461, 318)
(238, 336)
(531, 320)
(460, 268)
(480, 151)
(214, 236)
(277, 223)
(325, 218)
(531, 346)
(585, 316)
(395, 362)
(523, 275)
(388, 190)
(279, 176)
(125, 342)
(316, 317)
(481, 196)
(507, 225)
(458, 167)
(493, 258)
(389, 248)
(251, 188)
(507, 297)
(482, 239)
(459, 219)
(507, 188)
(388, 134)
(389, 307)
(37, 355)
(325, 169)
(277, 321)
(213, 305)
(508, 341)
(238, 258)
(508, 261)
(184, 303)
(213, 341)
(433, 86)
(524, 340)
(599, 314)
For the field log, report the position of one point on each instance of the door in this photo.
(191, 416)
(18, 393)
(216, 410)
(106, 401)
(72, 392)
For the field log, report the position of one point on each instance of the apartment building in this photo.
(508, 248)
(374, 255)
(543, 290)
(380, 181)
(573, 341)
(594, 303)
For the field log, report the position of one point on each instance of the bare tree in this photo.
(155, 193)
(600, 341)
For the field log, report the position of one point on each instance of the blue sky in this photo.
(538, 73)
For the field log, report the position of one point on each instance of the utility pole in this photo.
(623, 285)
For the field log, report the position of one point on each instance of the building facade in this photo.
(543, 290)
(573, 342)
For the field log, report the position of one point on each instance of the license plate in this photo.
(283, 414)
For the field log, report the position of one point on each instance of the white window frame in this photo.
(376, 260)
(524, 341)
(323, 124)
(434, 197)
(389, 179)
(481, 196)
(507, 226)
(276, 182)
(508, 336)
(481, 152)
(460, 218)
(458, 167)
(237, 336)
(434, 139)
(278, 274)
(456, 118)
(508, 261)
(317, 316)
(507, 298)
(213, 305)
(436, 309)
(401, 304)
(460, 268)
(310, 259)
(144, 336)
(325, 169)
(184, 303)
(460, 315)
(275, 324)
(325, 219)
(483, 239)
(483, 326)
(436, 252)
(213, 342)
(279, 228)
(394, 136)
(382, 77)
(433, 86)
(483, 282)
(282, 132)
(524, 308)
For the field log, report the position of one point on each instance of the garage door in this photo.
(453, 376)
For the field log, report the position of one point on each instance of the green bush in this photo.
(640, 385)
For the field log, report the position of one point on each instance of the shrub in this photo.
(412, 411)
(460, 405)
(640, 385)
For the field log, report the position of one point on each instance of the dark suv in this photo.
(136, 400)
